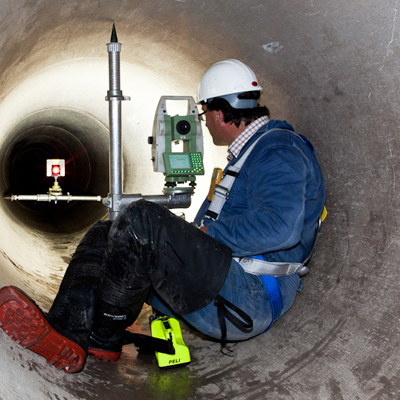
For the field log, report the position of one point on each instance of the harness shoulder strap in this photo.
(221, 192)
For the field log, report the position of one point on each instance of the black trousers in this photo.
(117, 266)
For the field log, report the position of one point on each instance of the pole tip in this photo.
(114, 38)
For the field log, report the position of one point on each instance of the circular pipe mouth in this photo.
(58, 133)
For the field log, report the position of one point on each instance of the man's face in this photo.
(215, 124)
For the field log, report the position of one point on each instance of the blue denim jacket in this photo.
(276, 201)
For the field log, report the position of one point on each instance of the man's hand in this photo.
(204, 229)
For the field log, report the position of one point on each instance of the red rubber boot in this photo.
(104, 355)
(106, 349)
(23, 321)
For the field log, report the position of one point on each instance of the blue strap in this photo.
(274, 294)
(307, 142)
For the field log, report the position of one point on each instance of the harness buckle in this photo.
(222, 191)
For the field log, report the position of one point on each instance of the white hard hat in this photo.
(226, 79)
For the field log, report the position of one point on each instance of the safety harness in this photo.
(256, 265)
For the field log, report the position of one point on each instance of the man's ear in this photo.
(220, 117)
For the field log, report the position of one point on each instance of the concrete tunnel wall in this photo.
(328, 68)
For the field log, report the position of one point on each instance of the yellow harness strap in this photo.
(324, 214)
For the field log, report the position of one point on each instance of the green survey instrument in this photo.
(168, 329)
(180, 164)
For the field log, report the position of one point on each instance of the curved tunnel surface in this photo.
(328, 68)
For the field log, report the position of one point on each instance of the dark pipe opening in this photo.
(68, 134)
(26, 172)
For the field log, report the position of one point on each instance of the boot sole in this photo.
(104, 355)
(22, 320)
